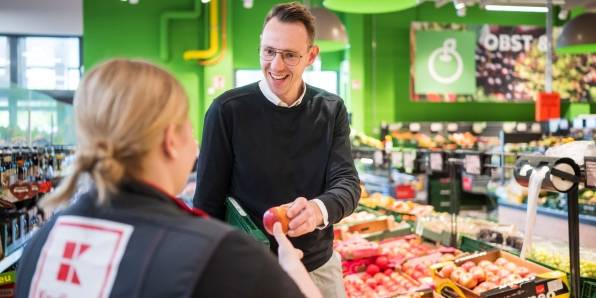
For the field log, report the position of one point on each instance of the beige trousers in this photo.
(329, 279)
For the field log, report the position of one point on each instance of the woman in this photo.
(129, 236)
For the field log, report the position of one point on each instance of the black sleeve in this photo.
(242, 267)
(342, 189)
(215, 164)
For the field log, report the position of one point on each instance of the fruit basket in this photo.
(384, 285)
(237, 217)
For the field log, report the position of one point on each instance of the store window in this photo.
(49, 63)
(325, 79)
(4, 62)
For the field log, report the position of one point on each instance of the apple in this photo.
(478, 274)
(503, 273)
(382, 262)
(511, 267)
(456, 274)
(388, 271)
(447, 270)
(492, 268)
(501, 262)
(467, 280)
(468, 265)
(522, 271)
(372, 269)
(484, 263)
(276, 214)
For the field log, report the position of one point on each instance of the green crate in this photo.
(588, 289)
(237, 217)
(468, 244)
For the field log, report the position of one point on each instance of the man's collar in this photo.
(275, 99)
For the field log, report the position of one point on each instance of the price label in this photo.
(564, 124)
(414, 127)
(452, 127)
(395, 126)
(478, 127)
(436, 127)
(590, 171)
(436, 162)
(578, 123)
(508, 127)
(409, 159)
(591, 123)
(378, 158)
(472, 164)
(536, 127)
(521, 127)
(397, 159)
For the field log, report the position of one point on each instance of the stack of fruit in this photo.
(356, 248)
(485, 275)
(403, 248)
(556, 255)
(419, 268)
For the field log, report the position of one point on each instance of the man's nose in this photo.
(277, 63)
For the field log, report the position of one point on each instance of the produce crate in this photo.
(237, 217)
(588, 289)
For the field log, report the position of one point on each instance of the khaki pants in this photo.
(329, 279)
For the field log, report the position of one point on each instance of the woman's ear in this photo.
(170, 142)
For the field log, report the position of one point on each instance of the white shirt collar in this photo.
(275, 100)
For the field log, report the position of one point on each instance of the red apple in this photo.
(467, 280)
(522, 271)
(382, 262)
(372, 269)
(501, 262)
(388, 271)
(492, 268)
(456, 274)
(276, 214)
(503, 273)
(484, 263)
(468, 265)
(478, 274)
(511, 267)
(447, 270)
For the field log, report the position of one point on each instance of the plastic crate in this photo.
(588, 289)
(237, 217)
(468, 244)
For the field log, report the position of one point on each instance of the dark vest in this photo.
(166, 253)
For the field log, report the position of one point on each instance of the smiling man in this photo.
(281, 141)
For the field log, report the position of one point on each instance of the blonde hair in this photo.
(122, 108)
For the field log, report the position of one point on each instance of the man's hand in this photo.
(305, 216)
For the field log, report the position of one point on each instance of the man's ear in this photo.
(313, 53)
(169, 142)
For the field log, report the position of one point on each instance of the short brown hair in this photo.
(294, 12)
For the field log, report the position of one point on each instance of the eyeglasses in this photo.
(288, 57)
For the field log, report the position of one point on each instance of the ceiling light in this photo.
(330, 31)
(578, 35)
(376, 6)
(516, 8)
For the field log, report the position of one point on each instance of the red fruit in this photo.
(484, 263)
(511, 267)
(522, 271)
(468, 265)
(372, 269)
(468, 281)
(388, 272)
(501, 262)
(456, 274)
(478, 274)
(503, 273)
(447, 270)
(382, 262)
(273, 215)
(493, 268)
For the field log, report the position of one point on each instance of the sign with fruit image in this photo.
(509, 65)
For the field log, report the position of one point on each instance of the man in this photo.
(280, 141)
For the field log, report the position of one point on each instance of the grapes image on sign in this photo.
(444, 62)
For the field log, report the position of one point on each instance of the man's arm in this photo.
(215, 163)
(342, 189)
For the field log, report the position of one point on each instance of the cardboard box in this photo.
(546, 284)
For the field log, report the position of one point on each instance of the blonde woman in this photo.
(129, 236)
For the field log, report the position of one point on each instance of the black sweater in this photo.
(264, 155)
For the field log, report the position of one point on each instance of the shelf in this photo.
(584, 219)
(15, 251)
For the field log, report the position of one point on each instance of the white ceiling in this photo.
(42, 17)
